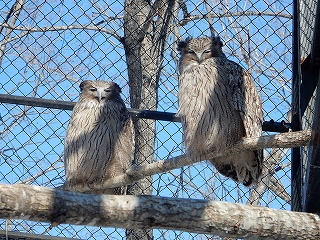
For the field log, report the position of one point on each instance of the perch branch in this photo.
(283, 140)
(150, 212)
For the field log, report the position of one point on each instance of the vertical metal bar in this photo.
(296, 171)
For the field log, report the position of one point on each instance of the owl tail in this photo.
(110, 191)
(245, 167)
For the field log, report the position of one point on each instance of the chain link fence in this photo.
(48, 47)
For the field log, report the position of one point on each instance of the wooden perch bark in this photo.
(283, 140)
(140, 212)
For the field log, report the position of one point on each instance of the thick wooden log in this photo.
(148, 212)
(283, 140)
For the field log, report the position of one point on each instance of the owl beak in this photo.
(199, 57)
(101, 95)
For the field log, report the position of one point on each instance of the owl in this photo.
(99, 142)
(218, 105)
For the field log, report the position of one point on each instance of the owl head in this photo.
(100, 91)
(195, 51)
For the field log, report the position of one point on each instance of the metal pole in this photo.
(296, 171)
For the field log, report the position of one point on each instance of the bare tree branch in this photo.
(185, 21)
(62, 28)
(274, 157)
(147, 212)
(43, 172)
(209, 19)
(15, 12)
(270, 162)
(283, 140)
(183, 6)
(278, 188)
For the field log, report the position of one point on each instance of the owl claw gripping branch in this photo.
(218, 105)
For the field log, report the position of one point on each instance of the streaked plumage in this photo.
(218, 104)
(99, 142)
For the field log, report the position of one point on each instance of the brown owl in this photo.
(218, 105)
(99, 142)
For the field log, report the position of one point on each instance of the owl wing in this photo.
(125, 143)
(123, 149)
(246, 100)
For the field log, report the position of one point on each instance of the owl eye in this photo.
(207, 51)
(107, 90)
(92, 89)
(191, 51)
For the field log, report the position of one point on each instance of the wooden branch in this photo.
(270, 162)
(149, 212)
(14, 13)
(149, 19)
(62, 28)
(277, 187)
(209, 19)
(283, 140)
(191, 18)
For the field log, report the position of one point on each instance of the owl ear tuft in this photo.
(183, 44)
(82, 84)
(216, 41)
(118, 87)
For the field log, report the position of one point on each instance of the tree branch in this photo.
(62, 28)
(283, 140)
(185, 21)
(140, 212)
(277, 187)
(15, 12)
(209, 19)
(270, 162)
(149, 19)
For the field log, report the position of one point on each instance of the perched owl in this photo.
(218, 105)
(99, 142)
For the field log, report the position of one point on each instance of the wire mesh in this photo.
(48, 48)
